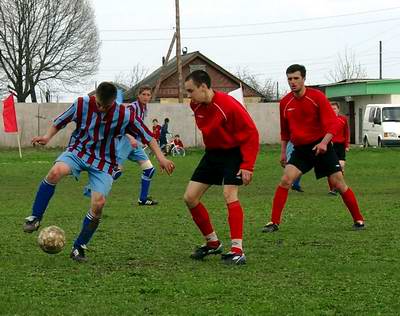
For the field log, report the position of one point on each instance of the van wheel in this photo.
(365, 142)
(380, 144)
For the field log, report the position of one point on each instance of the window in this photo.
(391, 114)
(371, 115)
(378, 115)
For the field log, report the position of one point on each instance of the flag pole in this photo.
(19, 145)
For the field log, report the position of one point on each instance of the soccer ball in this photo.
(51, 239)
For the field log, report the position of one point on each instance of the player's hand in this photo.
(41, 140)
(167, 165)
(283, 160)
(320, 148)
(246, 176)
(347, 148)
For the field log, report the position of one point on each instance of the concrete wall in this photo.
(34, 119)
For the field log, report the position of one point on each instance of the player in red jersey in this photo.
(341, 142)
(231, 146)
(308, 121)
(156, 130)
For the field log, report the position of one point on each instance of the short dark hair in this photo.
(106, 92)
(336, 104)
(199, 77)
(166, 120)
(144, 88)
(177, 135)
(296, 67)
(155, 120)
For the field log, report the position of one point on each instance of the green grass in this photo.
(139, 258)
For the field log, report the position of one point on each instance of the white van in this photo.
(381, 125)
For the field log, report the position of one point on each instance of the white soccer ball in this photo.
(51, 239)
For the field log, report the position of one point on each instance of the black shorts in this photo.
(304, 159)
(340, 150)
(219, 166)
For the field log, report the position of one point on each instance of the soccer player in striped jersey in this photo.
(308, 121)
(99, 121)
(137, 154)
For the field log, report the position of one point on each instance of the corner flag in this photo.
(9, 116)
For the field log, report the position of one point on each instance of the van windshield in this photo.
(391, 114)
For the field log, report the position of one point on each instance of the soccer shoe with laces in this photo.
(31, 224)
(116, 173)
(78, 254)
(358, 225)
(270, 228)
(232, 258)
(203, 251)
(148, 202)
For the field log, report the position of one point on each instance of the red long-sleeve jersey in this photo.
(226, 124)
(307, 119)
(343, 135)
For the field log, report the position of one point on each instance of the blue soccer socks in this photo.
(43, 196)
(89, 226)
(145, 183)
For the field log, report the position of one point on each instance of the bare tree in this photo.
(47, 40)
(135, 75)
(266, 87)
(347, 68)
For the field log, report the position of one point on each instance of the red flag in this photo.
(9, 117)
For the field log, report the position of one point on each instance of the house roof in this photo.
(171, 68)
(356, 87)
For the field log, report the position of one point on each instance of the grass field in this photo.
(139, 258)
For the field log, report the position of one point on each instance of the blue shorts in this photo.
(126, 151)
(99, 181)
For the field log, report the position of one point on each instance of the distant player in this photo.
(137, 154)
(341, 142)
(308, 121)
(99, 121)
(156, 130)
(231, 146)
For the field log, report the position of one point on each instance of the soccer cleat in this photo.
(270, 228)
(31, 224)
(78, 254)
(203, 251)
(116, 173)
(297, 188)
(358, 225)
(332, 192)
(232, 258)
(148, 202)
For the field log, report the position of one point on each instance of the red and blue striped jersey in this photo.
(95, 136)
(139, 109)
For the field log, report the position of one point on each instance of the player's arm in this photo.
(43, 140)
(59, 122)
(285, 134)
(283, 160)
(330, 123)
(347, 135)
(246, 133)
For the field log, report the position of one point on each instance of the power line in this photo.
(253, 24)
(256, 34)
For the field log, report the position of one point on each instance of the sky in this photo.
(263, 37)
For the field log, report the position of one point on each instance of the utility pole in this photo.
(380, 59)
(178, 52)
(277, 90)
(155, 92)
